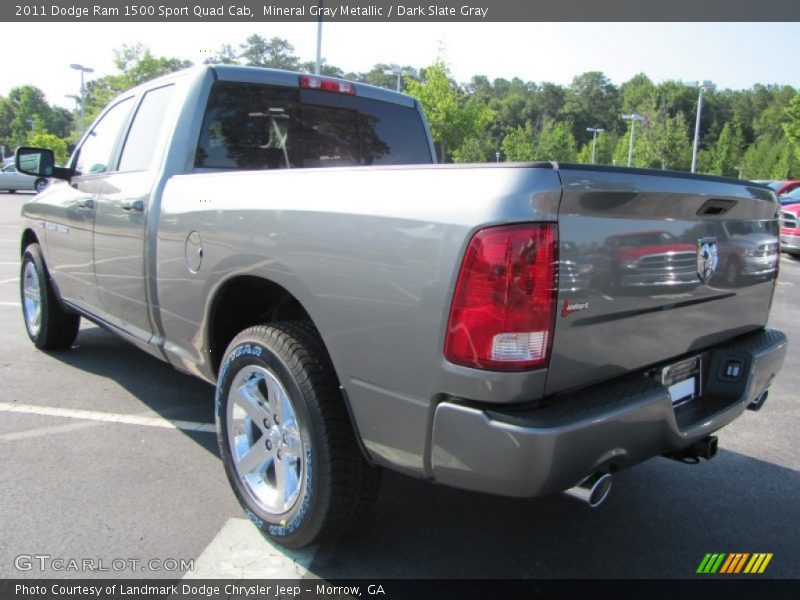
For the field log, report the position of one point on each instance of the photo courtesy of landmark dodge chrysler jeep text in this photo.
(517, 329)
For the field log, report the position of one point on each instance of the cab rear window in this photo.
(256, 126)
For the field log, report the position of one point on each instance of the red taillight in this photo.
(504, 305)
(313, 82)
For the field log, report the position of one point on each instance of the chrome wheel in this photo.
(264, 437)
(32, 299)
(40, 186)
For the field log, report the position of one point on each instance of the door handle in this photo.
(86, 203)
(133, 205)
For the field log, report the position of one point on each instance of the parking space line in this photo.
(9, 303)
(12, 280)
(40, 431)
(240, 551)
(88, 415)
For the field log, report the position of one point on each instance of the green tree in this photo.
(556, 142)
(519, 145)
(604, 150)
(620, 155)
(42, 139)
(276, 53)
(475, 149)
(135, 64)
(325, 69)
(663, 142)
(727, 153)
(591, 101)
(24, 108)
(636, 93)
(767, 159)
(379, 77)
(452, 116)
(791, 126)
(226, 55)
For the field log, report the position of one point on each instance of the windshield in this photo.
(792, 197)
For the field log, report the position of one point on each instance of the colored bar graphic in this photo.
(764, 564)
(755, 562)
(729, 562)
(734, 563)
(704, 563)
(711, 563)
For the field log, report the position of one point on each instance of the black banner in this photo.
(707, 588)
(394, 11)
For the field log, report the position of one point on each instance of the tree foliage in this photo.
(135, 64)
(275, 53)
(26, 108)
(453, 117)
(753, 132)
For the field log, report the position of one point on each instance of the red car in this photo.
(790, 229)
(649, 259)
(783, 186)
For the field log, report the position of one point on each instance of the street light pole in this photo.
(83, 70)
(398, 71)
(318, 65)
(595, 131)
(633, 117)
(703, 85)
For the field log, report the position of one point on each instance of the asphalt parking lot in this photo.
(93, 467)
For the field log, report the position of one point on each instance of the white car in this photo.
(11, 180)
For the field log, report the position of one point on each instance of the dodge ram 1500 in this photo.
(479, 326)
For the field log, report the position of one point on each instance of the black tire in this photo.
(57, 329)
(336, 484)
(39, 185)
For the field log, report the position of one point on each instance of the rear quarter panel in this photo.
(372, 255)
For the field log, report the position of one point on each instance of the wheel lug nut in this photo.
(280, 455)
(269, 444)
(266, 424)
(285, 439)
(276, 420)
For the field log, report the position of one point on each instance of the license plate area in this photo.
(683, 380)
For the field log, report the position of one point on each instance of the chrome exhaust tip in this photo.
(593, 490)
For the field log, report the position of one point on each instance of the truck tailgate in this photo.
(654, 266)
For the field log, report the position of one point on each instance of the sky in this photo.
(732, 55)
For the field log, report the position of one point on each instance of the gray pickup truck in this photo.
(516, 329)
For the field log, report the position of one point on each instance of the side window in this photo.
(140, 146)
(95, 153)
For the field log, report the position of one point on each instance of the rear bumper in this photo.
(607, 427)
